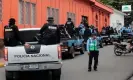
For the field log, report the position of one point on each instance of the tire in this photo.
(101, 45)
(71, 52)
(111, 42)
(81, 51)
(116, 53)
(12, 75)
(56, 74)
(106, 43)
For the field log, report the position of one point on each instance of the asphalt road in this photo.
(110, 67)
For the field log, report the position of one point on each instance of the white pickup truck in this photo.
(36, 57)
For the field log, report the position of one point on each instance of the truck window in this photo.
(28, 35)
(31, 35)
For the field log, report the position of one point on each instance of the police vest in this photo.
(93, 45)
(9, 32)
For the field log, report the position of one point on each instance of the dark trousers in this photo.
(93, 54)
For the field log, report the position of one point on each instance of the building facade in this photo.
(34, 13)
(117, 19)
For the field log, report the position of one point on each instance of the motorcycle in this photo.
(120, 49)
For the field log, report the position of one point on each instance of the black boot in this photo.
(95, 69)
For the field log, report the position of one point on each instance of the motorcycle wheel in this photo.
(116, 52)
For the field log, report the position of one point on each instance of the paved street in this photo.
(110, 67)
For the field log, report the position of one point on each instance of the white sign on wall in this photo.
(126, 8)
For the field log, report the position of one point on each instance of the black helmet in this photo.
(12, 20)
(69, 19)
(50, 19)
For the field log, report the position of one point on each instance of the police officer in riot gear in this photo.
(50, 33)
(11, 34)
(69, 27)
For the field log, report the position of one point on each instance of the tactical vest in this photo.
(93, 45)
(50, 31)
(49, 35)
(9, 33)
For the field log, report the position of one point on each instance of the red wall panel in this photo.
(79, 7)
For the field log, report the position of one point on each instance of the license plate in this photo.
(30, 66)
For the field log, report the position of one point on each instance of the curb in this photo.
(1, 64)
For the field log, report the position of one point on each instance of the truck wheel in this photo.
(12, 75)
(106, 43)
(56, 74)
(111, 42)
(71, 52)
(101, 45)
(81, 51)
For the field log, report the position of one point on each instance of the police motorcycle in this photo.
(70, 44)
(122, 49)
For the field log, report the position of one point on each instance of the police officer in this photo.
(69, 27)
(103, 32)
(11, 34)
(82, 29)
(50, 33)
(93, 51)
(87, 34)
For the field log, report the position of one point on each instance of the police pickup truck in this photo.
(70, 46)
(36, 57)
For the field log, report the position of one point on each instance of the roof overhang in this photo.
(92, 1)
(102, 6)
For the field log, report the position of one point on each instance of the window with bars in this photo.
(72, 16)
(0, 10)
(21, 12)
(48, 12)
(33, 14)
(27, 13)
(52, 12)
(96, 20)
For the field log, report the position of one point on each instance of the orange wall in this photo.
(79, 7)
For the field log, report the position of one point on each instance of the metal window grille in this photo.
(57, 16)
(33, 14)
(72, 16)
(27, 13)
(0, 10)
(21, 12)
(52, 12)
(49, 12)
